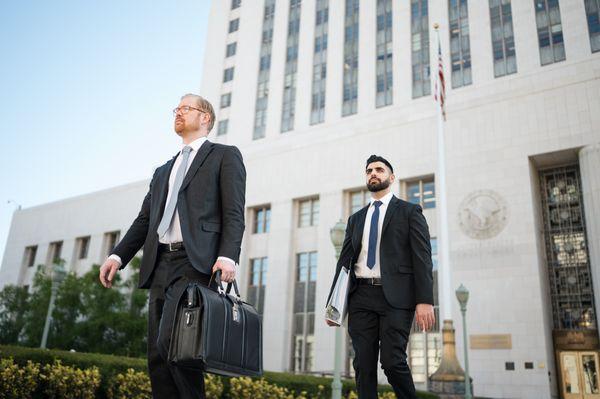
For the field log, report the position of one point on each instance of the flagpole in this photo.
(449, 378)
(444, 248)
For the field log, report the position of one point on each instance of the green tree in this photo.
(136, 329)
(115, 318)
(87, 317)
(68, 312)
(37, 308)
(102, 312)
(13, 305)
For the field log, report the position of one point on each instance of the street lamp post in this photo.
(462, 294)
(58, 275)
(337, 234)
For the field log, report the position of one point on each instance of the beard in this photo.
(179, 127)
(378, 185)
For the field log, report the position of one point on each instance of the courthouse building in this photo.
(309, 89)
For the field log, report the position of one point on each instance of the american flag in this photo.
(440, 83)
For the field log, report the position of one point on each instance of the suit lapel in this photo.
(203, 152)
(393, 205)
(163, 183)
(358, 230)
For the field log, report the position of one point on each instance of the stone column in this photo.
(589, 163)
(279, 289)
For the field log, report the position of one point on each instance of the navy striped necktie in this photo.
(373, 233)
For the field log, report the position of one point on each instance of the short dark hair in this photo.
(378, 158)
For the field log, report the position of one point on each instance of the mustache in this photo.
(378, 184)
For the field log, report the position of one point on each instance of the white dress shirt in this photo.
(173, 233)
(361, 269)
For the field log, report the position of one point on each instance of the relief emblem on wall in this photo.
(483, 214)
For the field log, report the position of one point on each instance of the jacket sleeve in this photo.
(232, 178)
(131, 243)
(346, 254)
(421, 256)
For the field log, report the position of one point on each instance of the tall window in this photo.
(592, 11)
(434, 253)
(55, 251)
(350, 93)
(358, 200)
(222, 127)
(83, 245)
(384, 78)
(304, 312)
(421, 192)
(234, 25)
(231, 49)
(110, 241)
(319, 76)
(460, 47)
(264, 70)
(549, 29)
(225, 100)
(291, 67)
(567, 258)
(228, 74)
(419, 28)
(308, 213)
(262, 220)
(29, 257)
(258, 283)
(503, 40)
(436, 304)
(434, 260)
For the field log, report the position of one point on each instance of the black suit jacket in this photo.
(211, 211)
(405, 254)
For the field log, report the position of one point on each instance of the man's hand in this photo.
(108, 271)
(424, 316)
(331, 323)
(227, 270)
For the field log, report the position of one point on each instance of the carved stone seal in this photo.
(483, 214)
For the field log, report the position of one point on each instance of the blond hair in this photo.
(205, 106)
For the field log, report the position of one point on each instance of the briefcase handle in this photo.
(192, 296)
(217, 277)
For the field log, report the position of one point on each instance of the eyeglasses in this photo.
(184, 110)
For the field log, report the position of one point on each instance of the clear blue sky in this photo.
(87, 89)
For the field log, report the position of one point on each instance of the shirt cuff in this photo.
(117, 258)
(226, 259)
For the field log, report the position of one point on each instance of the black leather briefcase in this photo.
(215, 331)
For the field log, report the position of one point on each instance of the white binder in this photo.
(337, 305)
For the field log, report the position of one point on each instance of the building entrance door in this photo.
(579, 374)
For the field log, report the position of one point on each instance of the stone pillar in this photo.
(589, 164)
(279, 289)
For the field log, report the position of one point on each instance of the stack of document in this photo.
(337, 306)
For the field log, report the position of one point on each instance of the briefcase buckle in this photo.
(236, 313)
(189, 317)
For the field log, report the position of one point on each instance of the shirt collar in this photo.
(385, 199)
(196, 144)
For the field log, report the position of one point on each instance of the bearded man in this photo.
(388, 253)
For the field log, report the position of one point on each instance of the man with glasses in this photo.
(190, 224)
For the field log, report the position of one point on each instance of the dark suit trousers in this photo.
(170, 277)
(373, 322)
